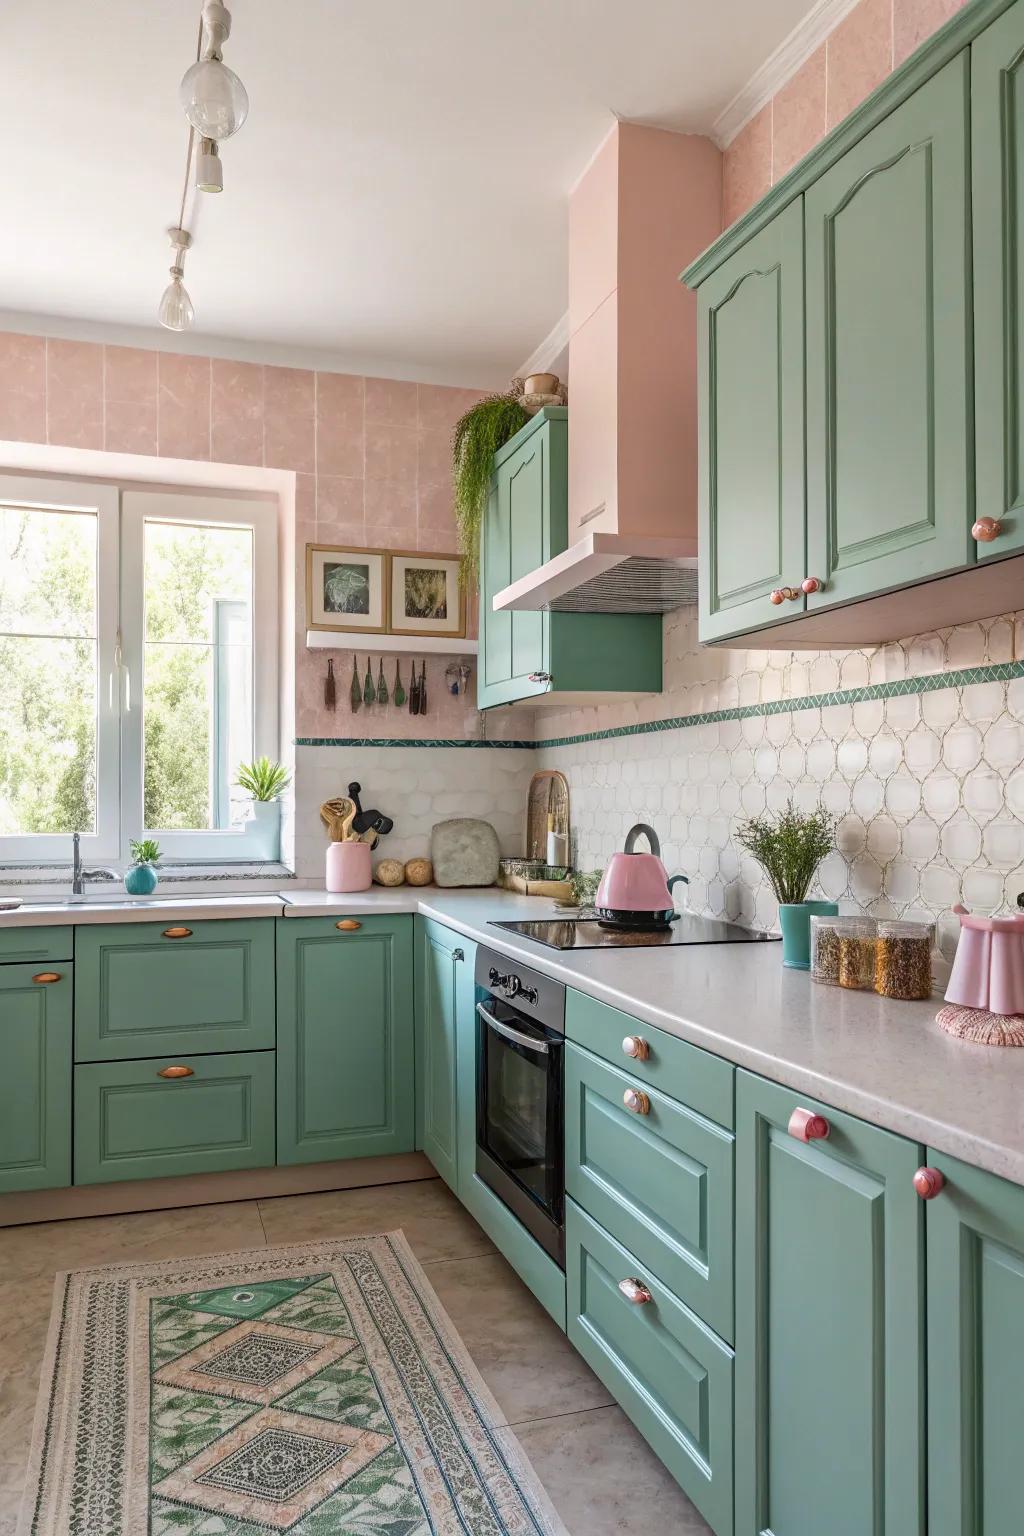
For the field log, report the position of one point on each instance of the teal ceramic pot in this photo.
(141, 880)
(795, 922)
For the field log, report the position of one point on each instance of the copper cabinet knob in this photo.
(636, 1101)
(347, 925)
(986, 529)
(929, 1182)
(177, 933)
(46, 977)
(776, 597)
(636, 1047)
(807, 1125)
(635, 1291)
(174, 1072)
(812, 584)
(784, 595)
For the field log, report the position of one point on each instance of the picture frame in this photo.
(347, 589)
(425, 596)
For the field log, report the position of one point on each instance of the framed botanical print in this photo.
(346, 589)
(426, 595)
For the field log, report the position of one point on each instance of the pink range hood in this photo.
(648, 202)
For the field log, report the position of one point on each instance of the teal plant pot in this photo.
(141, 880)
(795, 922)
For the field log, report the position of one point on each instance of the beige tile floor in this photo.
(599, 1473)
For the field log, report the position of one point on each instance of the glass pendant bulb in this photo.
(214, 99)
(176, 312)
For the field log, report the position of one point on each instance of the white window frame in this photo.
(101, 502)
(215, 844)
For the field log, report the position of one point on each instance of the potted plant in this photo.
(789, 847)
(485, 427)
(265, 781)
(141, 879)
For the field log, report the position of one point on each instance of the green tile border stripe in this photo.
(932, 682)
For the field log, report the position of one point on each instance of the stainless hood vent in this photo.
(609, 573)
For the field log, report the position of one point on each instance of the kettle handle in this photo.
(642, 829)
(684, 878)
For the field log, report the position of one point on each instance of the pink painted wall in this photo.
(371, 457)
(864, 48)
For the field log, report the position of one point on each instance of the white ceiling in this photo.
(396, 202)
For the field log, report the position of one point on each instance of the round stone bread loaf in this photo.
(389, 872)
(419, 871)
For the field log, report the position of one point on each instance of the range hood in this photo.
(649, 201)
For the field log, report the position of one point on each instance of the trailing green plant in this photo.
(145, 850)
(485, 427)
(263, 779)
(584, 886)
(789, 847)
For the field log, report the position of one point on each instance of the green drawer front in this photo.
(139, 992)
(131, 1123)
(32, 945)
(35, 1085)
(669, 1372)
(704, 1082)
(661, 1182)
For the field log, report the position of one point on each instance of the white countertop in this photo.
(140, 909)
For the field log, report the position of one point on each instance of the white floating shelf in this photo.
(407, 645)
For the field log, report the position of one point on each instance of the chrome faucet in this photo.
(79, 875)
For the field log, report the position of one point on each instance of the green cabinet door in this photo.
(443, 959)
(889, 483)
(345, 1038)
(997, 185)
(750, 372)
(35, 1085)
(975, 1352)
(829, 1324)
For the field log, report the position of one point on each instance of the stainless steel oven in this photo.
(520, 1110)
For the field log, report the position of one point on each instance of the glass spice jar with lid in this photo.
(903, 960)
(856, 938)
(825, 950)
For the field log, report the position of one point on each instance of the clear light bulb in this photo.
(176, 312)
(214, 99)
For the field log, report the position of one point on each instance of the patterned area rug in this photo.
(317, 1389)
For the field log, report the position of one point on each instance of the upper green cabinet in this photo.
(750, 368)
(35, 1087)
(528, 655)
(444, 983)
(997, 103)
(345, 1057)
(889, 494)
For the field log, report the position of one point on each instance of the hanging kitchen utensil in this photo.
(369, 691)
(330, 691)
(399, 693)
(465, 673)
(356, 692)
(414, 693)
(382, 687)
(423, 690)
(451, 678)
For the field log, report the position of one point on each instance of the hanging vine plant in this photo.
(478, 435)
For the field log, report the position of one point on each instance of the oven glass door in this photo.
(519, 1102)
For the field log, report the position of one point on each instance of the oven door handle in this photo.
(541, 1047)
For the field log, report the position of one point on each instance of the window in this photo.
(138, 667)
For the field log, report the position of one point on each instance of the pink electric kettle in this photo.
(988, 971)
(635, 891)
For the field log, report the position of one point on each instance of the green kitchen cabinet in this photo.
(750, 391)
(32, 945)
(889, 456)
(345, 1038)
(153, 989)
(213, 1114)
(829, 1324)
(444, 983)
(527, 655)
(997, 83)
(35, 1087)
(975, 1352)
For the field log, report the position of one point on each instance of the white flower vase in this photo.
(263, 829)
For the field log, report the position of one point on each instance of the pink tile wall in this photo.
(372, 460)
(864, 48)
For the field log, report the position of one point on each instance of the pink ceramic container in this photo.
(349, 867)
(988, 971)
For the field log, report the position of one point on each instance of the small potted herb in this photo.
(265, 781)
(789, 847)
(485, 427)
(142, 879)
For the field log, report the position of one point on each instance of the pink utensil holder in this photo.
(988, 971)
(349, 867)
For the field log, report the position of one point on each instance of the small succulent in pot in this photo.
(789, 847)
(142, 879)
(263, 779)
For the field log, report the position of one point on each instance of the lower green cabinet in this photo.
(155, 1118)
(35, 1085)
(345, 1058)
(975, 1352)
(829, 1324)
(444, 978)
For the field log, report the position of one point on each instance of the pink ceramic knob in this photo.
(986, 529)
(635, 1291)
(812, 584)
(929, 1182)
(806, 1125)
(776, 597)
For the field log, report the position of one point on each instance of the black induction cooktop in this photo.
(577, 933)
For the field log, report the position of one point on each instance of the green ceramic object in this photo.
(382, 687)
(355, 692)
(399, 693)
(369, 691)
(141, 880)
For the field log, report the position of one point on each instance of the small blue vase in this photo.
(141, 880)
(795, 922)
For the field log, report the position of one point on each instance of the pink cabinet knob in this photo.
(777, 596)
(784, 595)
(635, 1291)
(806, 1125)
(812, 584)
(636, 1101)
(636, 1047)
(986, 529)
(929, 1182)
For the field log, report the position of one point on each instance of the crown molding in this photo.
(549, 351)
(779, 67)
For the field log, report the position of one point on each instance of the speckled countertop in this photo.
(139, 909)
